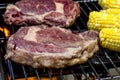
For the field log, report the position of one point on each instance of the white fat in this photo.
(59, 7)
(38, 17)
(41, 17)
(70, 52)
(31, 34)
(13, 6)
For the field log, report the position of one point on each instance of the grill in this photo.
(99, 66)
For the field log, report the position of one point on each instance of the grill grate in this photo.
(97, 67)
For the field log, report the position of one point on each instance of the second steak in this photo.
(34, 12)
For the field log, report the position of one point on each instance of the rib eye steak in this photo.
(51, 47)
(34, 12)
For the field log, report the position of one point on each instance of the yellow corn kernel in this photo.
(105, 4)
(103, 19)
(110, 38)
(114, 11)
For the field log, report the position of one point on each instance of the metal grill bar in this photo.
(117, 56)
(75, 77)
(2, 76)
(38, 77)
(88, 7)
(80, 28)
(49, 74)
(77, 26)
(84, 72)
(2, 6)
(77, 73)
(85, 0)
(103, 64)
(96, 74)
(112, 63)
(10, 70)
(84, 12)
(25, 74)
(95, 6)
(61, 75)
(79, 76)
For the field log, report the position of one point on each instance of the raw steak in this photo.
(34, 12)
(51, 47)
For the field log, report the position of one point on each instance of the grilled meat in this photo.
(51, 47)
(34, 12)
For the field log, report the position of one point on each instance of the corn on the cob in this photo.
(105, 4)
(113, 11)
(109, 18)
(110, 38)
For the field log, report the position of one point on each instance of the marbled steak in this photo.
(51, 47)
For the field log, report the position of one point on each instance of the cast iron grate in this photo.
(98, 67)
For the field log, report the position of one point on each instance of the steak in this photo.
(51, 47)
(35, 12)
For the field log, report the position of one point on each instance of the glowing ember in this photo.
(1, 29)
(6, 31)
(34, 78)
